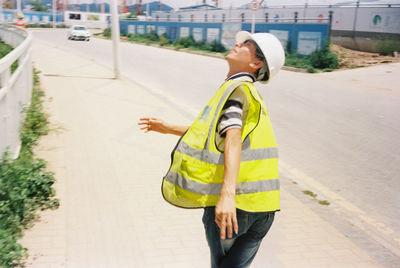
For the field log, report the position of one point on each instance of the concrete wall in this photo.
(366, 44)
(382, 19)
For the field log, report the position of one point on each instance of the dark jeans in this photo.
(240, 250)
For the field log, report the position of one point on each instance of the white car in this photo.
(78, 32)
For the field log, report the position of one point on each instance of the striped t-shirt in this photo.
(234, 111)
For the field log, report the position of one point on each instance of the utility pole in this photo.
(1, 12)
(54, 14)
(19, 10)
(115, 38)
(355, 18)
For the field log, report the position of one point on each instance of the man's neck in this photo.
(241, 76)
(232, 72)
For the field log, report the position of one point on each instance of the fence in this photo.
(175, 30)
(15, 87)
(30, 17)
(295, 35)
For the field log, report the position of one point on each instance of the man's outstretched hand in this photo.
(153, 124)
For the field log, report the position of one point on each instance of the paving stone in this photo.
(108, 175)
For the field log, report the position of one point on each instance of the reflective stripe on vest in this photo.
(215, 188)
(218, 159)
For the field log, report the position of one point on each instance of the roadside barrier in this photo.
(15, 87)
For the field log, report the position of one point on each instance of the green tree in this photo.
(38, 6)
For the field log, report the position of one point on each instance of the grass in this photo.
(25, 184)
(45, 25)
(4, 50)
(307, 192)
(323, 202)
(314, 197)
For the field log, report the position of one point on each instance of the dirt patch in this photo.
(349, 58)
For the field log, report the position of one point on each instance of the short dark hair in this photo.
(259, 54)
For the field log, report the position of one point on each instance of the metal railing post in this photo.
(115, 38)
(330, 26)
(355, 18)
(293, 35)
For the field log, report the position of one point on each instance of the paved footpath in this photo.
(108, 180)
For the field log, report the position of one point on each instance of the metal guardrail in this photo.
(15, 87)
(237, 20)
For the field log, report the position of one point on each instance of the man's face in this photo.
(243, 56)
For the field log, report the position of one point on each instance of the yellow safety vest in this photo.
(196, 174)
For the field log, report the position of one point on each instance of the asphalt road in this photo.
(338, 133)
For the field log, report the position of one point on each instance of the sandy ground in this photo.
(349, 59)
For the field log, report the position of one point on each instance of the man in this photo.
(20, 21)
(226, 161)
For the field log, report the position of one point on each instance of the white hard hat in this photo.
(272, 49)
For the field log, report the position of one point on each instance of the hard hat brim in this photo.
(243, 36)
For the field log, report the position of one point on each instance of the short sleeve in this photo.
(232, 115)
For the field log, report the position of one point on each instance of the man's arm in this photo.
(155, 124)
(225, 211)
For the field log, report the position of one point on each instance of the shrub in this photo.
(293, 60)
(185, 42)
(47, 25)
(25, 185)
(62, 26)
(152, 36)
(324, 58)
(107, 33)
(386, 46)
(4, 50)
(35, 124)
(310, 70)
(201, 45)
(177, 47)
(164, 40)
(217, 47)
(136, 38)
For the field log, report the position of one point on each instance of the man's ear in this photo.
(257, 64)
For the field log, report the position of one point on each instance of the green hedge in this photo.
(162, 40)
(323, 60)
(47, 25)
(387, 45)
(25, 185)
(4, 50)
